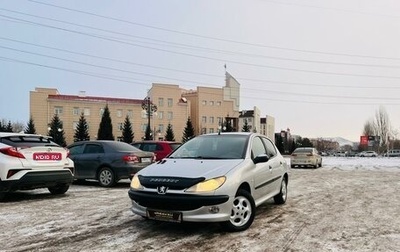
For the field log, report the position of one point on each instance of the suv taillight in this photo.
(12, 151)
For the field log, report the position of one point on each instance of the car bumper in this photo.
(193, 208)
(37, 179)
(303, 162)
(128, 171)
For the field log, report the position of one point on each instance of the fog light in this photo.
(214, 209)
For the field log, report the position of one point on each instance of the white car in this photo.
(305, 156)
(30, 161)
(212, 178)
(368, 154)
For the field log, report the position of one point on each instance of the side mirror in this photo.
(262, 158)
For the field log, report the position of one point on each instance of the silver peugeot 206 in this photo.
(212, 178)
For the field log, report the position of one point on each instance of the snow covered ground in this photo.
(350, 204)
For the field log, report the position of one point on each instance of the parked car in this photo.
(212, 178)
(341, 154)
(305, 156)
(160, 148)
(368, 154)
(393, 153)
(29, 161)
(107, 161)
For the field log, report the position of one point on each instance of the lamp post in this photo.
(150, 108)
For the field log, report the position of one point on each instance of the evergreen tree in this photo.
(1, 127)
(127, 133)
(30, 127)
(227, 126)
(82, 130)
(169, 135)
(188, 132)
(56, 131)
(9, 127)
(246, 127)
(105, 127)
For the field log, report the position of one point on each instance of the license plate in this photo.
(146, 160)
(44, 156)
(164, 216)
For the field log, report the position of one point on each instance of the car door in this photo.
(263, 173)
(91, 159)
(275, 163)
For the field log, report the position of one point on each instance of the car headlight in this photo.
(208, 185)
(135, 183)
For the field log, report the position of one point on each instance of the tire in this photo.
(59, 189)
(281, 197)
(106, 177)
(242, 213)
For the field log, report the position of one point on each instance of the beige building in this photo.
(207, 107)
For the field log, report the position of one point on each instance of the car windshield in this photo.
(28, 141)
(213, 147)
(303, 151)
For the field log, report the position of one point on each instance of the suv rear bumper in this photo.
(38, 179)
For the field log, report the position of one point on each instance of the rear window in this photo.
(174, 146)
(303, 151)
(27, 141)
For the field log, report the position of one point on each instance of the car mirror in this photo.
(262, 158)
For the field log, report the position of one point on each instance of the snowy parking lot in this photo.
(350, 204)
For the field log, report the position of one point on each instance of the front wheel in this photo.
(242, 213)
(281, 197)
(106, 177)
(59, 189)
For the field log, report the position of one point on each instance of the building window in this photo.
(160, 128)
(204, 119)
(211, 130)
(211, 119)
(129, 113)
(86, 111)
(160, 102)
(161, 115)
(249, 120)
(120, 126)
(101, 112)
(143, 127)
(204, 102)
(75, 111)
(211, 103)
(170, 116)
(58, 110)
(218, 103)
(203, 130)
(119, 112)
(219, 120)
(170, 102)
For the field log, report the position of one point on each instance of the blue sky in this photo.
(321, 68)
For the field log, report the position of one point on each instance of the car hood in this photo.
(191, 168)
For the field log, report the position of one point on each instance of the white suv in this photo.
(30, 161)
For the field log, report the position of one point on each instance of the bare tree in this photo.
(382, 126)
(369, 129)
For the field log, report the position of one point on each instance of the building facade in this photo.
(207, 107)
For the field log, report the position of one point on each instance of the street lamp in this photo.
(150, 108)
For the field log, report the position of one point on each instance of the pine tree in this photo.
(30, 127)
(105, 127)
(169, 134)
(56, 131)
(9, 127)
(246, 127)
(82, 130)
(127, 133)
(188, 132)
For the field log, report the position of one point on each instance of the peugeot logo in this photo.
(162, 189)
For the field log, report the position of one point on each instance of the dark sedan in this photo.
(107, 161)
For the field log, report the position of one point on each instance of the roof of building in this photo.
(94, 98)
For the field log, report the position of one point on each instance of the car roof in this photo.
(7, 134)
(154, 141)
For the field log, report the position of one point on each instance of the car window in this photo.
(76, 149)
(257, 147)
(174, 146)
(271, 151)
(93, 148)
(27, 141)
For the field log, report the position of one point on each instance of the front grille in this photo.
(174, 183)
